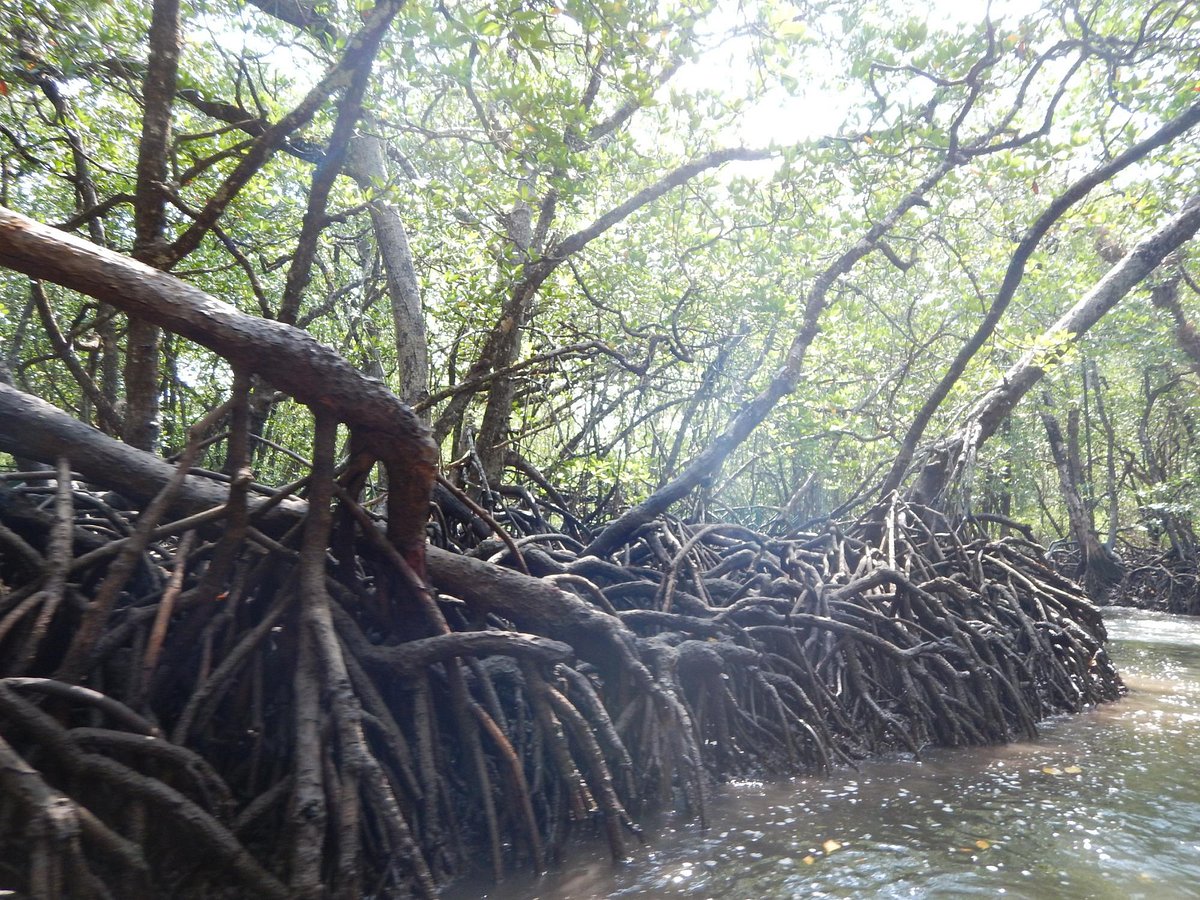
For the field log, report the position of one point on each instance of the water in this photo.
(1103, 805)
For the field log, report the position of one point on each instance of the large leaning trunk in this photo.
(381, 426)
(37, 430)
(948, 459)
(1015, 274)
(710, 460)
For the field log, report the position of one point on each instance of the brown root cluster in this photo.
(233, 702)
(1167, 582)
(1143, 577)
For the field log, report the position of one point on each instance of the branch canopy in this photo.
(985, 417)
(289, 359)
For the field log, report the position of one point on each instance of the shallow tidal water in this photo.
(1103, 805)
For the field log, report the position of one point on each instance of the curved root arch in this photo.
(308, 723)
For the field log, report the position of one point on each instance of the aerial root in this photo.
(319, 728)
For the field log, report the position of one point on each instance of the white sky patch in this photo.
(810, 109)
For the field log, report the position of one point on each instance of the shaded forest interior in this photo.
(431, 432)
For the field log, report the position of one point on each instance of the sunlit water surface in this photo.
(1117, 814)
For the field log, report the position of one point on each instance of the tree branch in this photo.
(291, 359)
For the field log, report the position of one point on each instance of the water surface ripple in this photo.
(1103, 805)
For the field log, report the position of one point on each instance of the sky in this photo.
(810, 110)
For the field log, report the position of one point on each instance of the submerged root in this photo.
(331, 727)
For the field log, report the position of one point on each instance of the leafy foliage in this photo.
(509, 127)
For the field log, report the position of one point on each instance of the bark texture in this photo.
(288, 358)
(366, 165)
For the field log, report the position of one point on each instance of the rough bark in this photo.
(367, 166)
(150, 219)
(290, 359)
(138, 475)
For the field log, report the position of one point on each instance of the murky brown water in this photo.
(988, 822)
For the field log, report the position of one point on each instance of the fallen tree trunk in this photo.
(38, 430)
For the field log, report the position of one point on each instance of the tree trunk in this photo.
(1155, 468)
(947, 458)
(141, 425)
(1112, 492)
(1097, 570)
(492, 441)
(290, 359)
(44, 430)
(1166, 297)
(366, 166)
(706, 464)
(1016, 272)
(502, 344)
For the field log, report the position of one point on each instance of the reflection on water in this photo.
(1103, 805)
